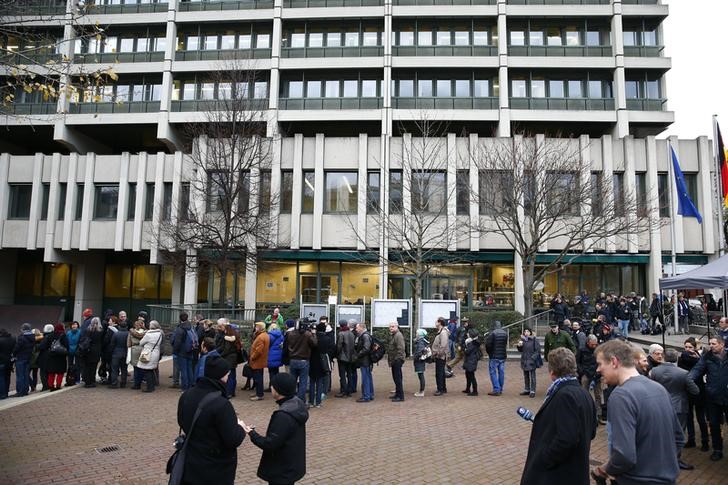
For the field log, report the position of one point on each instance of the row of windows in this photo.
(428, 191)
(193, 90)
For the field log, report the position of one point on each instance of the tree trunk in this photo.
(527, 290)
(223, 287)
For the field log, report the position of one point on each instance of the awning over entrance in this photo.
(711, 275)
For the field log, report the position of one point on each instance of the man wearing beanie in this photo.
(284, 445)
(212, 447)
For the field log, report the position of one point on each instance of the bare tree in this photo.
(37, 54)
(541, 193)
(416, 227)
(224, 212)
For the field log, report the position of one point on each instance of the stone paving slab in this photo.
(430, 440)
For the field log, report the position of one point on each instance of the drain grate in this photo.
(108, 449)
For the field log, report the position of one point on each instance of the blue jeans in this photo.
(624, 328)
(496, 368)
(299, 370)
(316, 388)
(186, 372)
(22, 377)
(367, 384)
(232, 382)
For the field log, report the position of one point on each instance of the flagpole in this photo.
(721, 202)
(673, 238)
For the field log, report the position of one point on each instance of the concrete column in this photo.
(452, 241)
(474, 207)
(251, 278)
(4, 193)
(540, 179)
(361, 214)
(157, 214)
(88, 201)
(275, 189)
(297, 191)
(630, 195)
(318, 195)
(518, 289)
(35, 202)
(618, 84)
(122, 210)
(607, 172)
(504, 119)
(706, 199)
(53, 205)
(89, 284)
(386, 156)
(69, 214)
(178, 283)
(585, 180)
(165, 132)
(141, 195)
(654, 268)
(9, 262)
(190, 284)
(407, 166)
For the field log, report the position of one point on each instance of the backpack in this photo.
(192, 344)
(377, 350)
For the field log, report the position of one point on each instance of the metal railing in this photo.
(32, 108)
(570, 104)
(640, 2)
(643, 50)
(358, 51)
(127, 8)
(644, 104)
(222, 54)
(168, 315)
(213, 105)
(445, 2)
(445, 50)
(112, 107)
(197, 6)
(558, 2)
(444, 103)
(331, 3)
(109, 57)
(330, 103)
(560, 50)
(541, 319)
(37, 57)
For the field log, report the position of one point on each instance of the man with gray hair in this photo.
(655, 356)
(363, 347)
(678, 385)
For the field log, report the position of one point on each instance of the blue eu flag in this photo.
(685, 206)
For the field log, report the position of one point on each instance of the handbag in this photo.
(176, 463)
(538, 361)
(247, 371)
(325, 363)
(426, 354)
(57, 348)
(146, 354)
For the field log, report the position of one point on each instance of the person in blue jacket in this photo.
(275, 352)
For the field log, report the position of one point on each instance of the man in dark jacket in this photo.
(284, 445)
(299, 342)
(118, 345)
(23, 352)
(183, 351)
(555, 339)
(496, 345)
(558, 451)
(212, 455)
(7, 344)
(345, 356)
(714, 365)
(395, 358)
(363, 347)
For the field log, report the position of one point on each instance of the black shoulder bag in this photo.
(176, 463)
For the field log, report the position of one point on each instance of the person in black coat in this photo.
(320, 365)
(118, 345)
(7, 344)
(558, 451)
(284, 445)
(89, 346)
(43, 351)
(55, 363)
(212, 455)
(472, 356)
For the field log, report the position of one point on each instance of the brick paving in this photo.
(431, 440)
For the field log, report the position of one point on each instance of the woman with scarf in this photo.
(530, 351)
(422, 354)
(134, 342)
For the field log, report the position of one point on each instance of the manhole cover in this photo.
(108, 449)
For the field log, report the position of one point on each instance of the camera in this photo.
(305, 324)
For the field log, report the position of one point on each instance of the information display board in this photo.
(386, 311)
(314, 311)
(348, 312)
(431, 310)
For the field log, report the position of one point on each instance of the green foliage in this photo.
(484, 320)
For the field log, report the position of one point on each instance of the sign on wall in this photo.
(385, 312)
(314, 310)
(348, 312)
(431, 310)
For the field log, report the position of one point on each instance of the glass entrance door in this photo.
(316, 288)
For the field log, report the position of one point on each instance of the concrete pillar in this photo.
(618, 83)
(122, 209)
(318, 195)
(706, 198)
(474, 206)
(630, 196)
(141, 196)
(361, 214)
(518, 289)
(654, 268)
(452, 240)
(4, 192)
(35, 202)
(178, 283)
(88, 201)
(504, 119)
(251, 287)
(89, 285)
(69, 214)
(157, 214)
(190, 276)
(53, 205)
(607, 172)
(297, 189)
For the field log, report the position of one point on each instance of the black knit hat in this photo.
(284, 384)
(216, 367)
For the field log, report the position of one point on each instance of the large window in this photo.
(494, 190)
(20, 201)
(264, 192)
(149, 202)
(395, 192)
(106, 201)
(462, 183)
(663, 194)
(618, 187)
(641, 193)
(373, 193)
(564, 194)
(691, 184)
(428, 191)
(307, 195)
(596, 193)
(286, 191)
(341, 192)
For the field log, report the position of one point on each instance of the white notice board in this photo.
(385, 312)
(431, 310)
(348, 312)
(314, 311)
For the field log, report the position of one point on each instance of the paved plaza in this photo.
(437, 440)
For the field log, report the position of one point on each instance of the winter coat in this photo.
(212, 455)
(530, 352)
(586, 364)
(7, 344)
(73, 337)
(677, 384)
(472, 354)
(363, 347)
(420, 345)
(554, 341)
(322, 351)
(94, 352)
(107, 346)
(229, 350)
(24, 345)
(178, 340)
(275, 350)
(54, 363)
(44, 346)
(558, 451)
(440, 346)
(396, 351)
(716, 370)
(134, 343)
(345, 347)
(497, 344)
(284, 445)
(561, 311)
(152, 340)
(300, 344)
(119, 343)
(259, 351)
(624, 312)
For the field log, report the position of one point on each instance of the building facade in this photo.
(87, 178)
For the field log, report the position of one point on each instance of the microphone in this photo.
(526, 414)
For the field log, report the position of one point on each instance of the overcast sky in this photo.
(697, 84)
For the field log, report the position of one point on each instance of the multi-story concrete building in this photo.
(85, 179)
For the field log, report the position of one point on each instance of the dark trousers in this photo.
(150, 376)
(397, 378)
(43, 378)
(74, 366)
(716, 414)
(272, 372)
(421, 377)
(5, 371)
(440, 375)
(89, 371)
(696, 409)
(470, 381)
(258, 380)
(118, 370)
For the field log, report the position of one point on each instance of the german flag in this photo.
(723, 162)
